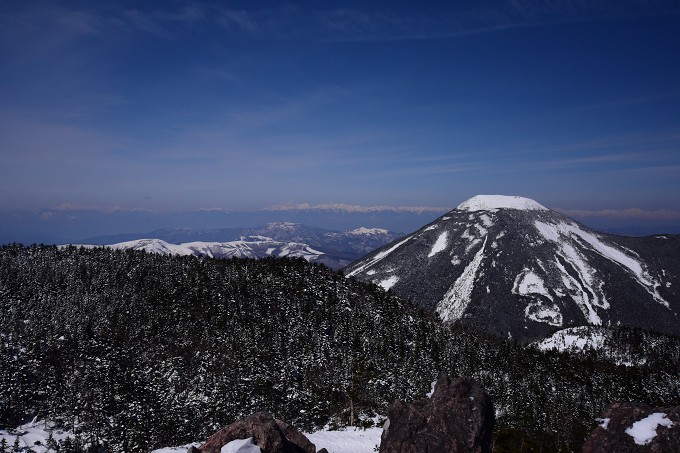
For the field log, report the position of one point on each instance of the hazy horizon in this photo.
(67, 224)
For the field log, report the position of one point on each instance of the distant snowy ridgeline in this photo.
(251, 247)
(335, 249)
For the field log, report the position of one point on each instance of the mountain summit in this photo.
(511, 267)
(489, 202)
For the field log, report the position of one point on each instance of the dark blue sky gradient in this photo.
(180, 105)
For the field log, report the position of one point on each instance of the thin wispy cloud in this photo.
(356, 25)
(146, 23)
(242, 20)
(341, 24)
(67, 207)
(349, 208)
(631, 213)
(631, 101)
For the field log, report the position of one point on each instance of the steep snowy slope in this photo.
(513, 268)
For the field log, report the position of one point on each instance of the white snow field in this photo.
(573, 338)
(491, 202)
(33, 435)
(351, 440)
(455, 301)
(440, 244)
(241, 446)
(389, 282)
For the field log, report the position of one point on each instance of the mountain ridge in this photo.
(513, 268)
(334, 249)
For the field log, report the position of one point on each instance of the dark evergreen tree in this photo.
(16, 447)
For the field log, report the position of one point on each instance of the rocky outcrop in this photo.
(632, 428)
(457, 418)
(271, 435)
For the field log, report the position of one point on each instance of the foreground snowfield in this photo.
(348, 441)
(33, 435)
(352, 440)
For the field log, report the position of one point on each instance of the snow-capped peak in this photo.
(489, 202)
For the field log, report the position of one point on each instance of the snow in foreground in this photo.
(33, 435)
(241, 446)
(350, 440)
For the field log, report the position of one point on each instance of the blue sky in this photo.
(174, 105)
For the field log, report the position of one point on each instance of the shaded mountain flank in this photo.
(512, 268)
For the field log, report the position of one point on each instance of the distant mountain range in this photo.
(334, 249)
(68, 224)
(510, 267)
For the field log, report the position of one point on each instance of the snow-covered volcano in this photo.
(514, 268)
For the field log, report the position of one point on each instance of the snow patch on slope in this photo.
(575, 338)
(455, 301)
(491, 202)
(528, 283)
(389, 282)
(439, 245)
(582, 283)
(562, 232)
(542, 312)
(581, 287)
(486, 220)
(378, 257)
(635, 267)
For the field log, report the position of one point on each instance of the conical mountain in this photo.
(510, 267)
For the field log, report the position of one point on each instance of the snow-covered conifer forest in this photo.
(134, 351)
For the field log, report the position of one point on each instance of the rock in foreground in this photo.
(632, 428)
(271, 435)
(458, 418)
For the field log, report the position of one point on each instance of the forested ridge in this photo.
(136, 351)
